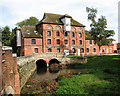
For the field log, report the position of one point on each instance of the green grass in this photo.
(101, 77)
(76, 57)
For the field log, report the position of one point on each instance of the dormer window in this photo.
(28, 32)
(35, 32)
(56, 21)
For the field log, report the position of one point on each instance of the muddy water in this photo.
(48, 74)
(42, 74)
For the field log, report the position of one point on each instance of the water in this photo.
(49, 74)
(42, 74)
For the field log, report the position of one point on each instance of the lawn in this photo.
(101, 77)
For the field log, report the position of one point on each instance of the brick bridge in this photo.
(28, 64)
(50, 58)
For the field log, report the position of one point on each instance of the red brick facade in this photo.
(53, 38)
(28, 48)
(72, 41)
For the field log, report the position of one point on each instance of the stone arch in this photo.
(41, 66)
(53, 61)
(9, 91)
(54, 66)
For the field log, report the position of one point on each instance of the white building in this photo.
(119, 22)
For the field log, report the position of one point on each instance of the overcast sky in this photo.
(13, 11)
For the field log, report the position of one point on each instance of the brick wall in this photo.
(91, 48)
(0, 69)
(29, 48)
(118, 48)
(63, 46)
(10, 74)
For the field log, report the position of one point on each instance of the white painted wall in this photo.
(67, 23)
(18, 38)
(119, 22)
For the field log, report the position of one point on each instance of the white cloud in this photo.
(14, 11)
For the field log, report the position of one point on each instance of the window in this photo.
(49, 50)
(66, 41)
(103, 49)
(73, 50)
(57, 28)
(58, 50)
(80, 29)
(35, 32)
(49, 27)
(82, 50)
(58, 41)
(49, 41)
(73, 42)
(57, 33)
(80, 35)
(94, 49)
(90, 41)
(65, 33)
(73, 34)
(36, 50)
(33, 41)
(80, 42)
(110, 50)
(28, 32)
(73, 29)
(48, 33)
(87, 49)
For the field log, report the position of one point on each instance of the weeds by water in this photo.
(102, 76)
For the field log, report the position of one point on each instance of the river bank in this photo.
(102, 76)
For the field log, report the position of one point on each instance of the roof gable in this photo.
(56, 19)
(29, 31)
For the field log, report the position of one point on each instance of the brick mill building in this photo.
(59, 33)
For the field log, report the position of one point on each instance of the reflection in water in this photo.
(45, 73)
(51, 70)
(41, 70)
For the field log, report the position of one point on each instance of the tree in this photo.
(13, 41)
(0, 36)
(6, 36)
(31, 21)
(98, 28)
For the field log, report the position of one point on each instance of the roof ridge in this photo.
(54, 14)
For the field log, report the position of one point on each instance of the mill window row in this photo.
(65, 34)
(65, 41)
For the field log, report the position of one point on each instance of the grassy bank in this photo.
(101, 77)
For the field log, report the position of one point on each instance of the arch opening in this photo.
(53, 61)
(54, 66)
(41, 66)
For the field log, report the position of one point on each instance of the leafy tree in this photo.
(6, 36)
(0, 36)
(31, 21)
(98, 28)
(13, 42)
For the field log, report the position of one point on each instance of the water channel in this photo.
(43, 73)
(48, 74)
